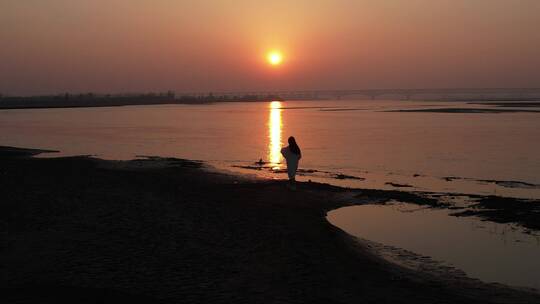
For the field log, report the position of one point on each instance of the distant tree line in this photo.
(69, 100)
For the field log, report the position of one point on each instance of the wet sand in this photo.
(86, 230)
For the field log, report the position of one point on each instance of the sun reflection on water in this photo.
(274, 134)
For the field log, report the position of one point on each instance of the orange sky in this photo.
(134, 45)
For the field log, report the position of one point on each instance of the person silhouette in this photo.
(292, 155)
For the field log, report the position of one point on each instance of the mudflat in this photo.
(163, 230)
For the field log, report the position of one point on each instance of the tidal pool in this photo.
(487, 251)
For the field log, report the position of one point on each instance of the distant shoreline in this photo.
(93, 100)
(90, 101)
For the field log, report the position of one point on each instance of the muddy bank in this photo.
(465, 111)
(168, 231)
(532, 104)
(522, 212)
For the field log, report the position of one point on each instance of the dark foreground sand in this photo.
(83, 230)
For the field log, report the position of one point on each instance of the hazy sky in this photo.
(50, 46)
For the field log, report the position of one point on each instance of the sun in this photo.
(274, 58)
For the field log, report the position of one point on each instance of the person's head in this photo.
(294, 146)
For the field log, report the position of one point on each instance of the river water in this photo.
(482, 153)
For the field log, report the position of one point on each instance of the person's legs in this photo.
(291, 172)
(292, 183)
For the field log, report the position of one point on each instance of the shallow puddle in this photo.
(488, 251)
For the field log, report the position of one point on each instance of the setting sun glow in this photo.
(275, 58)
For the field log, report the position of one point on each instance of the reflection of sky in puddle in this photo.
(488, 251)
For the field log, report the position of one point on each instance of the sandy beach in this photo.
(86, 230)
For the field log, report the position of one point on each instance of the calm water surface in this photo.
(487, 251)
(356, 138)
